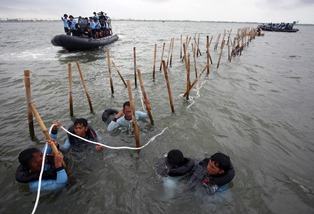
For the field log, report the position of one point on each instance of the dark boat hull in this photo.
(74, 43)
(279, 30)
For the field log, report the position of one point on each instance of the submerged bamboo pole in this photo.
(119, 74)
(207, 50)
(47, 136)
(145, 97)
(195, 81)
(109, 70)
(70, 88)
(135, 78)
(195, 62)
(168, 85)
(136, 133)
(198, 46)
(188, 83)
(171, 51)
(181, 46)
(162, 55)
(221, 48)
(154, 66)
(29, 101)
(216, 45)
(85, 89)
(168, 58)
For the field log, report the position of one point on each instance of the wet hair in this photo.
(127, 103)
(26, 156)
(222, 160)
(175, 158)
(81, 121)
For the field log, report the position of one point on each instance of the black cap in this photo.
(65, 15)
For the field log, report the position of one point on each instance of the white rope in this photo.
(191, 99)
(111, 147)
(39, 181)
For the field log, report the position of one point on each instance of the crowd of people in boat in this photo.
(279, 26)
(96, 26)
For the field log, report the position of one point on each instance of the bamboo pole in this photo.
(154, 66)
(168, 58)
(85, 89)
(184, 57)
(162, 55)
(228, 43)
(136, 134)
(28, 101)
(211, 61)
(216, 45)
(109, 70)
(198, 46)
(207, 50)
(70, 88)
(145, 97)
(181, 46)
(168, 86)
(221, 48)
(135, 78)
(119, 74)
(188, 83)
(195, 62)
(171, 51)
(195, 81)
(47, 136)
(223, 38)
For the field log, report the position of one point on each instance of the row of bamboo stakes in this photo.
(242, 39)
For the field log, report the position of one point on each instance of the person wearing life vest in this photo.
(80, 128)
(66, 24)
(174, 164)
(124, 117)
(213, 173)
(54, 175)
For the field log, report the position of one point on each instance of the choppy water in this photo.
(258, 109)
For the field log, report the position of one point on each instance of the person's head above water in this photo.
(219, 163)
(80, 127)
(31, 158)
(175, 158)
(127, 110)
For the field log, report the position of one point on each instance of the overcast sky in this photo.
(197, 10)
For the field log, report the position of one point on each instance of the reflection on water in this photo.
(258, 109)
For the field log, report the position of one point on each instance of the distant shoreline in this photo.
(141, 20)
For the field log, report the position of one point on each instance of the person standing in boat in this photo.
(97, 28)
(92, 27)
(103, 26)
(73, 23)
(65, 24)
(95, 16)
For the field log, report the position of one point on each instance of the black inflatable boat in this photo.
(78, 43)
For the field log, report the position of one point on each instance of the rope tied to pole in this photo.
(112, 147)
